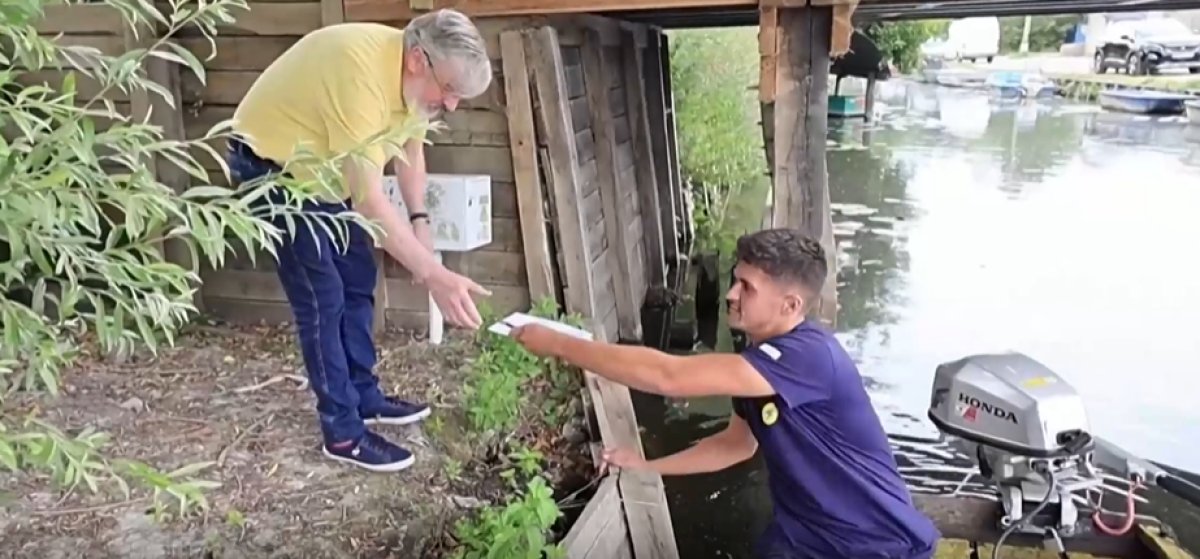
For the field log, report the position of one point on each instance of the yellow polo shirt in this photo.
(331, 91)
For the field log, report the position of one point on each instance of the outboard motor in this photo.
(1028, 432)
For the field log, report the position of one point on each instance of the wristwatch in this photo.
(413, 217)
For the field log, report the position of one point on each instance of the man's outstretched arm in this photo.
(650, 370)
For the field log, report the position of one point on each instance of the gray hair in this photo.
(448, 34)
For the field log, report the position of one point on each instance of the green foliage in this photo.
(900, 41)
(516, 531)
(713, 72)
(497, 394)
(85, 220)
(496, 389)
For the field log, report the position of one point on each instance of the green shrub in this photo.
(84, 224)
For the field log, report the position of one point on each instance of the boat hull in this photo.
(1143, 102)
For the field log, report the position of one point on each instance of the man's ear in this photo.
(795, 303)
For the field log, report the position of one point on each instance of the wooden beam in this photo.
(528, 183)
(333, 12)
(644, 499)
(656, 114)
(596, 80)
(686, 226)
(801, 111)
(768, 51)
(547, 65)
(600, 523)
(401, 10)
(647, 180)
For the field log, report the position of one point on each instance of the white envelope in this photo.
(505, 326)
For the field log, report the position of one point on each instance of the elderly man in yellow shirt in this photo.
(335, 89)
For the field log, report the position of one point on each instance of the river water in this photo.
(968, 225)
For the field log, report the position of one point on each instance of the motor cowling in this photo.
(1010, 402)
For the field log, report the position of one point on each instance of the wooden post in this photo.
(543, 50)
(644, 164)
(665, 171)
(869, 99)
(596, 83)
(801, 120)
(686, 227)
(526, 176)
(642, 493)
(332, 12)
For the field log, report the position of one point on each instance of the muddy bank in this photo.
(235, 397)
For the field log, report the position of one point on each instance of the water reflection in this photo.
(964, 225)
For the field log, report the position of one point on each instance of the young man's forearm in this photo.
(398, 241)
(713, 453)
(637, 367)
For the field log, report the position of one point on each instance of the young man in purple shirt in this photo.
(796, 393)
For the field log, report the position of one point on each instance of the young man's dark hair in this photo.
(785, 255)
(796, 393)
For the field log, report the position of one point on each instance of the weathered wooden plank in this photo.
(644, 164)
(488, 266)
(387, 10)
(801, 107)
(601, 516)
(494, 161)
(276, 18)
(621, 128)
(585, 146)
(473, 127)
(686, 226)
(238, 53)
(332, 12)
(656, 112)
(547, 63)
(596, 79)
(263, 287)
(80, 18)
(768, 51)
(255, 312)
(581, 119)
(652, 536)
(616, 105)
(536, 248)
(574, 77)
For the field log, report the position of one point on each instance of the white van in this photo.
(974, 37)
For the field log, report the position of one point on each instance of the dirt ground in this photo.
(235, 396)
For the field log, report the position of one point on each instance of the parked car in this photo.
(1147, 46)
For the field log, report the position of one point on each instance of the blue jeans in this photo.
(332, 295)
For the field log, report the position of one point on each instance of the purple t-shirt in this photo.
(833, 478)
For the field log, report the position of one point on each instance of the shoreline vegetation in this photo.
(503, 464)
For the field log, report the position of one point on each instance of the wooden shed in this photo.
(586, 199)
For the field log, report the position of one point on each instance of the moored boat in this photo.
(1143, 101)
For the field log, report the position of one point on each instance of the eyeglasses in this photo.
(442, 87)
